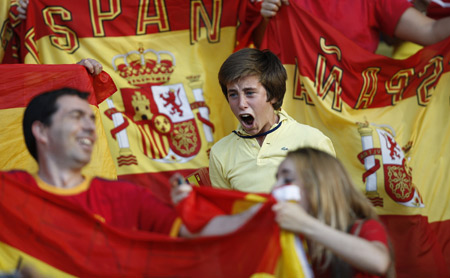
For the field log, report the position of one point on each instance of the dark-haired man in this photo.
(59, 129)
(254, 84)
(60, 132)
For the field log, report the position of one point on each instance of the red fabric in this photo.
(416, 246)
(371, 230)
(296, 37)
(85, 18)
(20, 83)
(442, 228)
(305, 33)
(250, 17)
(158, 183)
(197, 209)
(437, 10)
(49, 228)
(120, 204)
(359, 20)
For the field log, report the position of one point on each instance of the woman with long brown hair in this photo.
(344, 235)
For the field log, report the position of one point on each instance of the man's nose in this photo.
(242, 101)
(89, 123)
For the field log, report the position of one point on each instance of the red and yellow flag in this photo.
(388, 120)
(20, 83)
(58, 239)
(5, 27)
(164, 57)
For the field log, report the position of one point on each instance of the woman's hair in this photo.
(333, 198)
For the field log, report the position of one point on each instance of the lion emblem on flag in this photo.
(161, 112)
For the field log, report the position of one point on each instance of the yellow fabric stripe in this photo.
(15, 154)
(262, 275)
(176, 226)
(248, 201)
(290, 265)
(255, 198)
(9, 256)
(63, 191)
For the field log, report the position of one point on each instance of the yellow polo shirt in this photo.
(241, 164)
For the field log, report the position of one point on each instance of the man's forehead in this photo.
(248, 80)
(72, 102)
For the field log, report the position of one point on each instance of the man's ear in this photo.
(273, 101)
(40, 132)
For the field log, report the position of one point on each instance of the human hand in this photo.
(180, 189)
(93, 66)
(22, 9)
(291, 216)
(269, 8)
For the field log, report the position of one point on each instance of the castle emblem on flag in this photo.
(382, 152)
(160, 112)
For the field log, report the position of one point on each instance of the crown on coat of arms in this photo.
(147, 66)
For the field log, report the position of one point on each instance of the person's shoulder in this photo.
(17, 174)
(372, 223)
(297, 127)
(374, 230)
(224, 142)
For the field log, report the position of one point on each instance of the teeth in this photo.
(86, 141)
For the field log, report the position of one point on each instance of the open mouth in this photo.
(247, 119)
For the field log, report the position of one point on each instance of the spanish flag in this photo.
(163, 56)
(20, 83)
(5, 30)
(54, 238)
(389, 123)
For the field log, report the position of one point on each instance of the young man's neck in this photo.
(260, 140)
(61, 178)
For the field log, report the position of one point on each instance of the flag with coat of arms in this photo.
(388, 121)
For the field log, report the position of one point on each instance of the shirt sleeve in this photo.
(373, 230)
(327, 146)
(388, 13)
(216, 175)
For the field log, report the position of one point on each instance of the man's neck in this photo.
(61, 178)
(260, 140)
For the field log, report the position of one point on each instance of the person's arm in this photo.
(369, 256)
(223, 224)
(219, 225)
(418, 28)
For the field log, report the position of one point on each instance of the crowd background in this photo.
(387, 119)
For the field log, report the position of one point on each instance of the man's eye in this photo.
(249, 93)
(232, 95)
(76, 116)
